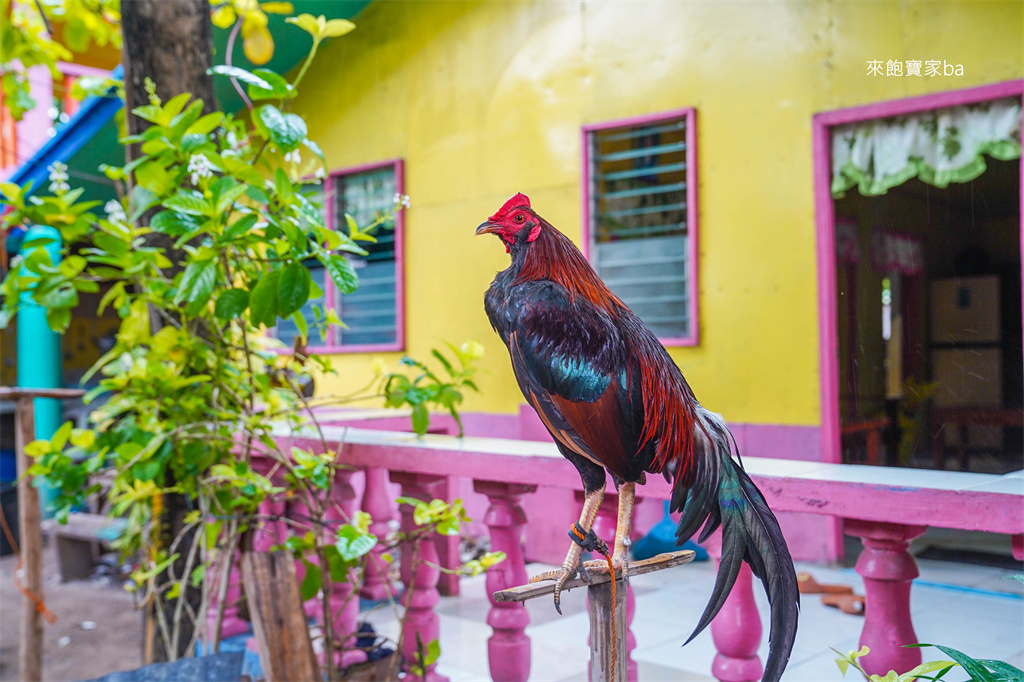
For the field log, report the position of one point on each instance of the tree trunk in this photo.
(169, 42)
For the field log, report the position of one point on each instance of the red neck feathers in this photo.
(553, 256)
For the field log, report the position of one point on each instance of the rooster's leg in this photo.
(572, 564)
(623, 526)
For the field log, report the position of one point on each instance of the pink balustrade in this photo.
(879, 506)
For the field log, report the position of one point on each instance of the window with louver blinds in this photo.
(640, 219)
(371, 312)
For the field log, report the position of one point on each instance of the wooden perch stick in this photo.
(9, 393)
(534, 590)
(607, 619)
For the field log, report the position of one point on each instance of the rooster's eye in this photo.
(519, 218)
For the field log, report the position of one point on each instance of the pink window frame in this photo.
(824, 210)
(690, 115)
(329, 291)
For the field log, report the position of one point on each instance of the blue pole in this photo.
(39, 361)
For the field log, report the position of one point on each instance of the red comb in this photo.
(518, 201)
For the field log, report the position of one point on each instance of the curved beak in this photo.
(488, 228)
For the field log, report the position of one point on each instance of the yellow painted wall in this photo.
(485, 99)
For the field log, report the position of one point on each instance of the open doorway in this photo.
(928, 284)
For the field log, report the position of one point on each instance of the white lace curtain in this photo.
(938, 147)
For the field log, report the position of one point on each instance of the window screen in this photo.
(640, 220)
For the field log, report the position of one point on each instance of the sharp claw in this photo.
(584, 574)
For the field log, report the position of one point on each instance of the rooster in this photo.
(614, 401)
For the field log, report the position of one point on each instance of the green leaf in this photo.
(147, 471)
(246, 77)
(11, 191)
(60, 438)
(228, 197)
(293, 288)
(188, 202)
(286, 130)
(307, 22)
(173, 223)
(443, 360)
(420, 419)
(337, 27)
(142, 199)
(231, 304)
(352, 543)
(241, 226)
(300, 324)
(342, 273)
(977, 671)
(173, 107)
(279, 87)
(205, 124)
(1006, 672)
(310, 582)
(283, 185)
(315, 148)
(149, 112)
(263, 299)
(197, 284)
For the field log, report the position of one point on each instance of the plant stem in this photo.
(305, 65)
(222, 590)
(405, 614)
(227, 61)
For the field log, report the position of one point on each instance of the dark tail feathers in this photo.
(723, 495)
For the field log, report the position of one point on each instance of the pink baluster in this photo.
(270, 532)
(888, 571)
(344, 602)
(604, 526)
(421, 595)
(508, 649)
(736, 630)
(378, 506)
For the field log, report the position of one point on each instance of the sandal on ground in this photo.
(847, 603)
(808, 585)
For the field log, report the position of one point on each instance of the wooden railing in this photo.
(884, 507)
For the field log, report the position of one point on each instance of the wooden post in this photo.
(30, 653)
(599, 594)
(278, 621)
(607, 631)
(30, 649)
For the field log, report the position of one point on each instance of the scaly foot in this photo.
(570, 567)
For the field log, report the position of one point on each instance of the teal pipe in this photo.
(39, 360)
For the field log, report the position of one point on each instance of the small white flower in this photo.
(405, 201)
(115, 212)
(293, 157)
(320, 173)
(58, 177)
(199, 166)
(402, 199)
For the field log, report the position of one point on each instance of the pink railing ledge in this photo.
(886, 510)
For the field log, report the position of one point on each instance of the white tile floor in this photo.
(971, 608)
